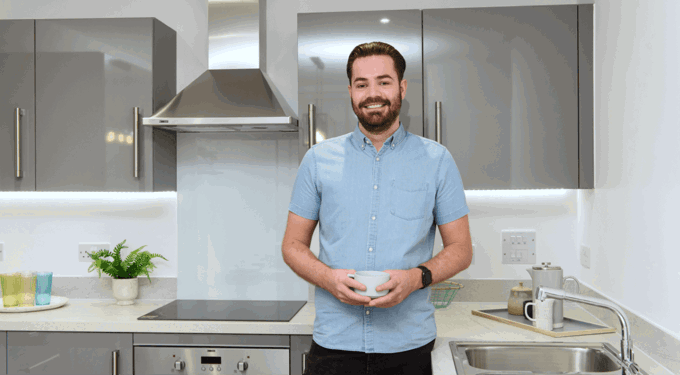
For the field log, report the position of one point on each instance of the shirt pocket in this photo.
(408, 200)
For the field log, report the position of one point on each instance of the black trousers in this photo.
(322, 361)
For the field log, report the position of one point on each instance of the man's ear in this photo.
(403, 84)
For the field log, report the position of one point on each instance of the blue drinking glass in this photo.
(43, 288)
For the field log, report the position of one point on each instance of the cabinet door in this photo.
(17, 82)
(507, 82)
(325, 41)
(90, 74)
(3, 353)
(68, 353)
(299, 349)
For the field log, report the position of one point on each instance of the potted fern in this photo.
(124, 272)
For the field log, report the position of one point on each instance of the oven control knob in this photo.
(242, 366)
(179, 365)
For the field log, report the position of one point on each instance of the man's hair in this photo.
(376, 49)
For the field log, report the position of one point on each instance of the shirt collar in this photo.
(394, 139)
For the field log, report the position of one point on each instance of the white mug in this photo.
(371, 279)
(543, 314)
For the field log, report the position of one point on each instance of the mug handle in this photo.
(578, 286)
(350, 275)
(526, 313)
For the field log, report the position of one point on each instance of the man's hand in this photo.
(401, 284)
(339, 286)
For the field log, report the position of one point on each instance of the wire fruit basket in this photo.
(442, 293)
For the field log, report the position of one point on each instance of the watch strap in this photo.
(426, 277)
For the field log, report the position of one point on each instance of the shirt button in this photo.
(370, 249)
(375, 187)
(373, 218)
(377, 159)
(392, 145)
(368, 312)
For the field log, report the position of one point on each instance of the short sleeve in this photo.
(450, 201)
(306, 200)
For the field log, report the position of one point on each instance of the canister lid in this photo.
(545, 266)
(521, 288)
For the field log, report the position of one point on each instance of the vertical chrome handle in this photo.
(17, 126)
(438, 122)
(136, 136)
(312, 126)
(115, 355)
(304, 362)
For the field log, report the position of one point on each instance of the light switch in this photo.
(518, 246)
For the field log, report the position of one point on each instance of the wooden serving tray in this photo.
(572, 327)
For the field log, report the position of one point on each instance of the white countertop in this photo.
(97, 315)
(455, 322)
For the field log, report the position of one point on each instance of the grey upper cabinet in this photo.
(91, 74)
(17, 105)
(69, 353)
(325, 41)
(508, 83)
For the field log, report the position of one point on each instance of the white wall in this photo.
(630, 218)
(41, 231)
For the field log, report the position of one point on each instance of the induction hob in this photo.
(253, 311)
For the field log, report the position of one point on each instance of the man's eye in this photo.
(384, 83)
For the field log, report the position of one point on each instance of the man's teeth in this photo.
(375, 106)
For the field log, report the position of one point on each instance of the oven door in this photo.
(204, 360)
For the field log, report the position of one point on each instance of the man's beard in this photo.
(377, 122)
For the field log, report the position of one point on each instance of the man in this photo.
(376, 194)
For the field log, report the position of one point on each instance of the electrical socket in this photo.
(90, 247)
(2, 248)
(585, 256)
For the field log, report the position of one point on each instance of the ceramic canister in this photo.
(518, 295)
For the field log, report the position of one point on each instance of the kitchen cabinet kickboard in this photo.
(572, 327)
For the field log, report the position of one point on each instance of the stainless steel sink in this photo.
(487, 357)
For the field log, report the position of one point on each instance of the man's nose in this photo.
(374, 91)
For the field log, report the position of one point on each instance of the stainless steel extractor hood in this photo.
(235, 94)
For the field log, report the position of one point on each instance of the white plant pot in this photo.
(125, 290)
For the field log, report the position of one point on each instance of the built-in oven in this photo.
(182, 353)
(199, 354)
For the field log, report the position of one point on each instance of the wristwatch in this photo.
(427, 276)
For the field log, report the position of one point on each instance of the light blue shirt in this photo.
(377, 211)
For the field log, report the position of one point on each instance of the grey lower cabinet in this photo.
(325, 41)
(79, 88)
(3, 353)
(299, 349)
(69, 353)
(505, 87)
(17, 103)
